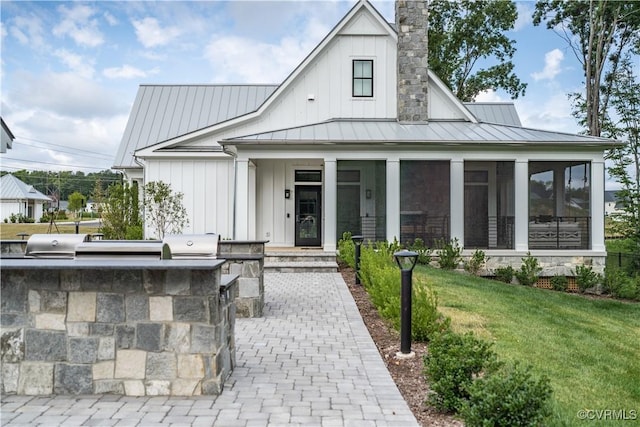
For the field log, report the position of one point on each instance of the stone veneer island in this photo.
(131, 327)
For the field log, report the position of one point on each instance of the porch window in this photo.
(362, 199)
(362, 78)
(489, 205)
(424, 201)
(559, 205)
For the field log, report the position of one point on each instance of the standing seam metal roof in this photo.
(163, 112)
(433, 132)
(11, 188)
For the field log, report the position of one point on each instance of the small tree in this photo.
(164, 212)
(76, 201)
(121, 213)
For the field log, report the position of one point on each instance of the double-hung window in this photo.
(362, 78)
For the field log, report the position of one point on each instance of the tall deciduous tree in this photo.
(598, 32)
(625, 125)
(163, 209)
(463, 35)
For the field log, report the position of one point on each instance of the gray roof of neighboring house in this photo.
(610, 196)
(383, 131)
(162, 112)
(11, 188)
(503, 113)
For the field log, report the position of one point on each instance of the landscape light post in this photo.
(357, 241)
(77, 222)
(406, 261)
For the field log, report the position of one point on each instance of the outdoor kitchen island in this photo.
(122, 326)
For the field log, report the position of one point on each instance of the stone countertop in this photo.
(110, 264)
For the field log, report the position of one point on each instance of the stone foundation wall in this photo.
(131, 329)
(552, 264)
(245, 259)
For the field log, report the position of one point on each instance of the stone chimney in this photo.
(411, 23)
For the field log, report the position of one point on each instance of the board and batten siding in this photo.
(207, 186)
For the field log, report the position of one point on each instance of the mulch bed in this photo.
(407, 373)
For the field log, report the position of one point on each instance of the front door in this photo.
(308, 215)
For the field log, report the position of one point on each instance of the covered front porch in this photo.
(505, 205)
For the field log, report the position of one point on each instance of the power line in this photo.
(59, 145)
(55, 164)
(99, 156)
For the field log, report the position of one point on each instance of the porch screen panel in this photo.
(424, 201)
(361, 197)
(489, 205)
(559, 205)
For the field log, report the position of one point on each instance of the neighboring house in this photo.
(7, 137)
(611, 203)
(18, 198)
(361, 137)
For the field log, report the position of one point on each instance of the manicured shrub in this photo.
(346, 250)
(382, 279)
(504, 274)
(424, 253)
(529, 271)
(452, 363)
(617, 283)
(476, 262)
(586, 278)
(510, 397)
(559, 283)
(449, 254)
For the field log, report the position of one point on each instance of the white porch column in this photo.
(597, 206)
(457, 207)
(241, 224)
(522, 205)
(330, 204)
(393, 199)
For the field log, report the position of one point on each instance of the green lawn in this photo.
(589, 348)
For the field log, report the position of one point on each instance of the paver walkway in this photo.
(309, 362)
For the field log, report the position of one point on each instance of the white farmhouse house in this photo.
(18, 198)
(362, 137)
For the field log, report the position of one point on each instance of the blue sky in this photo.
(70, 70)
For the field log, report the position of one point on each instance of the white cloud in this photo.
(525, 13)
(111, 20)
(65, 94)
(78, 24)
(151, 34)
(243, 60)
(553, 113)
(79, 65)
(490, 95)
(124, 72)
(552, 65)
(28, 31)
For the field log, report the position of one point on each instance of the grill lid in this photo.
(193, 246)
(54, 245)
(132, 249)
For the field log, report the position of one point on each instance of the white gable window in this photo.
(362, 78)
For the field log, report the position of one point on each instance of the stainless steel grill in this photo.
(131, 249)
(54, 245)
(193, 246)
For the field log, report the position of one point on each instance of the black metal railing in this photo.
(555, 232)
(371, 228)
(431, 229)
(622, 260)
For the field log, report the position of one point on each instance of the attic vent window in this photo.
(362, 78)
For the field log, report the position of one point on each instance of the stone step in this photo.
(312, 261)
